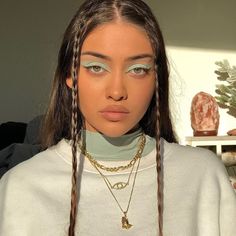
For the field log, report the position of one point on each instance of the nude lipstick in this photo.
(114, 113)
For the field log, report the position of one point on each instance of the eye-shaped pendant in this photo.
(119, 185)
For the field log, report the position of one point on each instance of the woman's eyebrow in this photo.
(140, 56)
(95, 54)
(132, 58)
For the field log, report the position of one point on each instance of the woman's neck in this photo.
(102, 147)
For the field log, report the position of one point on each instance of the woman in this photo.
(109, 104)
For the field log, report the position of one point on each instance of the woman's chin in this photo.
(113, 132)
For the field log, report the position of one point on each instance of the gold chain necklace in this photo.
(124, 219)
(119, 185)
(142, 140)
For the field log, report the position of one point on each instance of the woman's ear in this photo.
(69, 82)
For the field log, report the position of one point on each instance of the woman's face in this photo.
(116, 78)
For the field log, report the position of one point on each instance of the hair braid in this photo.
(159, 162)
(74, 136)
(151, 25)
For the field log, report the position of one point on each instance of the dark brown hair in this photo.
(64, 119)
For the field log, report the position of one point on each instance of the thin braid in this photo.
(74, 136)
(158, 162)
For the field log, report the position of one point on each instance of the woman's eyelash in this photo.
(140, 68)
(95, 67)
(144, 69)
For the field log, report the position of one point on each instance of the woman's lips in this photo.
(114, 113)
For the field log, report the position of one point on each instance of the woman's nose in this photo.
(116, 88)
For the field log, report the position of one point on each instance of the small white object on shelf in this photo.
(229, 158)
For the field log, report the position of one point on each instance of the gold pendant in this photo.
(125, 223)
(119, 185)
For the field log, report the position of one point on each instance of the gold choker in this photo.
(142, 141)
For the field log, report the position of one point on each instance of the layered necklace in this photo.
(119, 185)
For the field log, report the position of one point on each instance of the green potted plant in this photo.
(226, 91)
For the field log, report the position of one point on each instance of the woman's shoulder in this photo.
(196, 164)
(191, 156)
(38, 165)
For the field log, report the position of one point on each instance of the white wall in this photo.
(199, 24)
(192, 71)
(197, 34)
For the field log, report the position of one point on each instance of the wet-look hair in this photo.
(64, 119)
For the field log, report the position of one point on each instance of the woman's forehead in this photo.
(118, 38)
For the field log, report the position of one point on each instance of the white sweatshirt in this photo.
(198, 197)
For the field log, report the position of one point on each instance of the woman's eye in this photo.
(95, 69)
(139, 71)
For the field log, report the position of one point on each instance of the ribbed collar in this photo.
(121, 148)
